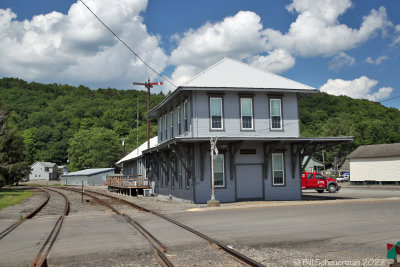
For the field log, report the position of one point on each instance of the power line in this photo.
(389, 99)
(127, 46)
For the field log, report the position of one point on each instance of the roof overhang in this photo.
(290, 140)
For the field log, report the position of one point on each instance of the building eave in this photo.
(294, 140)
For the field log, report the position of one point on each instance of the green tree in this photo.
(94, 148)
(12, 154)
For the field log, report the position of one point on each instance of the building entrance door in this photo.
(249, 182)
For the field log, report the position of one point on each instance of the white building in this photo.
(375, 163)
(43, 171)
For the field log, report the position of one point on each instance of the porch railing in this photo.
(127, 181)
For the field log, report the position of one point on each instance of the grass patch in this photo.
(10, 197)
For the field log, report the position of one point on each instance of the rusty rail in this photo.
(158, 247)
(41, 258)
(28, 216)
(243, 258)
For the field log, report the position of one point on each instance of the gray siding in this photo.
(292, 188)
(253, 167)
(96, 179)
(231, 112)
(167, 187)
(166, 135)
(135, 167)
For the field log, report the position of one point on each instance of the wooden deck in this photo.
(128, 182)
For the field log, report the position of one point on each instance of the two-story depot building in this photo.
(255, 116)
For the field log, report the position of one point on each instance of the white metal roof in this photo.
(89, 171)
(45, 164)
(230, 73)
(138, 151)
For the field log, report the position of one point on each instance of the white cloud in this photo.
(397, 35)
(362, 87)
(376, 61)
(239, 37)
(341, 60)
(277, 61)
(317, 31)
(76, 49)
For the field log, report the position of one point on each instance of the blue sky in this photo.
(340, 47)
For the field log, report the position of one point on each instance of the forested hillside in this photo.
(59, 122)
(369, 122)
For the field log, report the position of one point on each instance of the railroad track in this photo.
(28, 216)
(41, 257)
(159, 248)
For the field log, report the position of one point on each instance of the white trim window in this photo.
(278, 173)
(185, 114)
(216, 113)
(166, 126)
(172, 123)
(179, 121)
(246, 113)
(219, 171)
(275, 111)
(180, 173)
(161, 128)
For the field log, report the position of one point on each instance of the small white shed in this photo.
(375, 163)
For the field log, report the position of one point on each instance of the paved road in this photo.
(359, 228)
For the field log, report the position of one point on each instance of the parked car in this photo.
(343, 178)
(316, 181)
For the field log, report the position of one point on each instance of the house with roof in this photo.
(255, 117)
(375, 164)
(41, 170)
(94, 176)
(313, 165)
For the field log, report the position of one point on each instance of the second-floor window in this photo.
(275, 113)
(246, 113)
(165, 126)
(185, 114)
(216, 113)
(179, 121)
(172, 124)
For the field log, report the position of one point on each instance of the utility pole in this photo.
(148, 85)
(212, 202)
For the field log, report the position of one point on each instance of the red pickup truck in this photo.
(315, 180)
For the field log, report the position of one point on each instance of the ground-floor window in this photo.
(278, 173)
(167, 174)
(180, 174)
(187, 178)
(219, 173)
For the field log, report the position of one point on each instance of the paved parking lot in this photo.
(355, 192)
